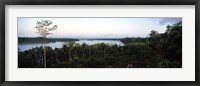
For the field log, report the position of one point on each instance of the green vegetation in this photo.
(23, 40)
(160, 50)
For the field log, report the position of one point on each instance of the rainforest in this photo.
(157, 50)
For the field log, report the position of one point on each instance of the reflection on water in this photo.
(54, 45)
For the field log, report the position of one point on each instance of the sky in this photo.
(97, 27)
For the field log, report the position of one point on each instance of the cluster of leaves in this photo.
(160, 50)
(43, 27)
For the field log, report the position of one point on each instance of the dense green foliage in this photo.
(159, 50)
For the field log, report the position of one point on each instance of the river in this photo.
(54, 45)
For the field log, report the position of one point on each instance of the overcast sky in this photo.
(97, 27)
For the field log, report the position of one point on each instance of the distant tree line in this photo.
(159, 50)
(41, 39)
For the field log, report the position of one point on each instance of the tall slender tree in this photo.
(44, 27)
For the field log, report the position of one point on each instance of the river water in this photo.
(54, 45)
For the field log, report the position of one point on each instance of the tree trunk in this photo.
(45, 58)
(42, 59)
(44, 53)
(104, 55)
(70, 53)
(65, 56)
(56, 56)
(89, 52)
(83, 53)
